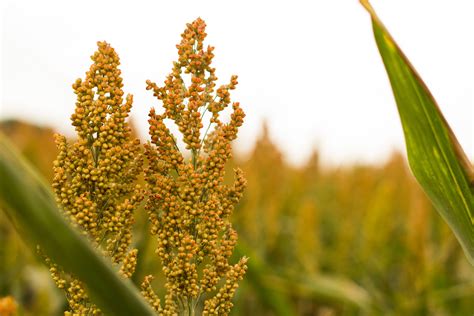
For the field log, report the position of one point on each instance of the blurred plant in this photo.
(268, 174)
(94, 178)
(8, 306)
(35, 143)
(189, 205)
(343, 241)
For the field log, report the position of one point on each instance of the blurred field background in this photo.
(351, 240)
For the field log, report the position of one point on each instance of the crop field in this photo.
(352, 240)
(108, 222)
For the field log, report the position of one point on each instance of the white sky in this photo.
(310, 67)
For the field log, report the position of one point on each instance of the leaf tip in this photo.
(366, 4)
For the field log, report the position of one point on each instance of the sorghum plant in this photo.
(189, 206)
(95, 177)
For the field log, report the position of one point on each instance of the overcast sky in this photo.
(311, 68)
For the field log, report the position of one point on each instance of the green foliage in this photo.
(435, 156)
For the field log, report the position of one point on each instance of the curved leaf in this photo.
(435, 156)
(322, 287)
(275, 289)
(31, 206)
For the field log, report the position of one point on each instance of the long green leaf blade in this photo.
(323, 288)
(31, 206)
(435, 156)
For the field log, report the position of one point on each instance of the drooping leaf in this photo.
(30, 204)
(276, 289)
(324, 288)
(435, 156)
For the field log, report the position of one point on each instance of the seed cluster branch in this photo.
(189, 205)
(95, 177)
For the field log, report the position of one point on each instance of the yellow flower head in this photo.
(189, 205)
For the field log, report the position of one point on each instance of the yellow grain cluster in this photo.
(188, 203)
(95, 176)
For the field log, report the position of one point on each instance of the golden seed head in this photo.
(189, 206)
(95, 176)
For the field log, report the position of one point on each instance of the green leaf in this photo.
(323, 288)
(29, 203)
(276, 289)
(435, 156)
